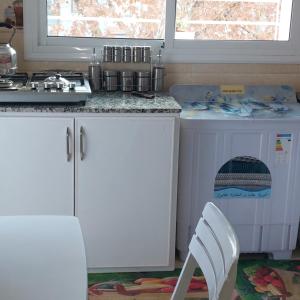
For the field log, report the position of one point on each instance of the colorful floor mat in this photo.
(256, 280)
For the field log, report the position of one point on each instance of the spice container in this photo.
(126, 78)
(142, 81)
(95, 78)
(146, 54)
(137, 54)
(107, 54)
(117, 54)
(110, 80)
(126, 54)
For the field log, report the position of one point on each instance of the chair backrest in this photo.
(42, 257)
(216, 238)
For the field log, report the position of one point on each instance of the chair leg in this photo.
(185, 277)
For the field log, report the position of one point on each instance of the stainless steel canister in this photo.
(137, 54)
(146, 54)
(117, 54)
(142, 81)
(126, 54)
(126, 79)
(107, 53)
(95, 77)
(110, 80)
(158, 78)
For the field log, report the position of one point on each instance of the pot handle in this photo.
(9, 26)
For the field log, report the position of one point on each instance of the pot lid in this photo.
(57, 78)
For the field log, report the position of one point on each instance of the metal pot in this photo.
(8, 55)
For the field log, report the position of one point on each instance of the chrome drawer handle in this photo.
(82, 154)
(69, 152)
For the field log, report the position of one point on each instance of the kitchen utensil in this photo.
(146, 54)
(143, 95)
(107, 53)
(142, 81)
(126, 54)
(95, 77)
(111, 80)
(8, 55)
(126, 78)
(137, 54)
(117, 54)
(158, 74)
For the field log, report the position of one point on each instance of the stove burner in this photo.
(69, 76)
(17, 79)
(57, 78)
(5, 83)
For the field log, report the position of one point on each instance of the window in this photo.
(192, 30)
(233, 20)
(106, 18)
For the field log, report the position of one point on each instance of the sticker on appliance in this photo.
(283, 147)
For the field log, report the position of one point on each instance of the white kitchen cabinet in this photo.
(125, 190)
(36, 174)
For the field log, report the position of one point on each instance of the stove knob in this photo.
(48, 85)
(72, 85)
(59, 85)
(34, 85)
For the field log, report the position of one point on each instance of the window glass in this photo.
(233, 20)
(134, 19)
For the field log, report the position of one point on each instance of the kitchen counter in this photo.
(116, 102)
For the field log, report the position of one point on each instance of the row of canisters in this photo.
(127, 54)
(127, 81)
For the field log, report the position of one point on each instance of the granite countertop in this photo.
(116, 102)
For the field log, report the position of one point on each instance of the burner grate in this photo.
(71, 76)
(18, 78)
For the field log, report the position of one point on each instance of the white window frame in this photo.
(40, 47)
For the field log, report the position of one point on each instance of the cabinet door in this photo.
(36, 176)
(124, 197)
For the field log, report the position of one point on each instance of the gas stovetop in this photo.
(44, 87)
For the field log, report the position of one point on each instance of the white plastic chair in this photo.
(42, 257)
(215, 248)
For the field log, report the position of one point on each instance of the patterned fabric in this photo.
(256, 280)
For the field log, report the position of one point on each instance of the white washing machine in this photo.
(239, 148)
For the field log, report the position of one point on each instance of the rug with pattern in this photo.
(256, 280)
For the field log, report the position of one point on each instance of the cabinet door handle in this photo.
(69, 152)
(82, 154)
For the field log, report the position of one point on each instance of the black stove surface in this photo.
(69, 75)
(18, 78)
(25, 90)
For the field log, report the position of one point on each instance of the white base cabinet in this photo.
(118, 174)
(36, 176)
(124, 195)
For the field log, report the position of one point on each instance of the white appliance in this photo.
(239, 148)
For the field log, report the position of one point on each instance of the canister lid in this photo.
(110, 73)
(142, 74)
(126, 73)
